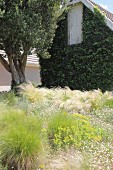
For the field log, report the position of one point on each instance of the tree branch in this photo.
(24, 62)
(24, 58)
(5, 63)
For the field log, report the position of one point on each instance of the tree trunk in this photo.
(18, 74)
(18, 77)
(17, 67)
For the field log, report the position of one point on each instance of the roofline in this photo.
(29, 63)
(89, 5)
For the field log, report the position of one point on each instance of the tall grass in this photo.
(65, 99)
(8, 98)
(59, 118)
(20, 140)
(33, 94)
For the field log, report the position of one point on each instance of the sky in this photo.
(107, 4)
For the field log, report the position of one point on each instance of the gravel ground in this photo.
(70, 160)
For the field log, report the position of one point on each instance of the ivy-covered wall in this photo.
(85, 66)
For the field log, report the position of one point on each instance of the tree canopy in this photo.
(26, 24)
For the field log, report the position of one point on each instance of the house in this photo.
(82, 50)
(32, 72)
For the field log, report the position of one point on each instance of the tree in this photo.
(26, 24)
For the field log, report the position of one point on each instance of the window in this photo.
(75, 17)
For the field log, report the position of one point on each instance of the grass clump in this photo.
(109, 103)
(8, 97)
(31, 93)
(65, 130)
(20, 140)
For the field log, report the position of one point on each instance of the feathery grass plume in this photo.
(66, 99)
(33, 94)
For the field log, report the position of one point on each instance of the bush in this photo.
(20, 140)
(66, 130)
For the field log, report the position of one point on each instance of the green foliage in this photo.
(8, 97)
(3, 168)
(65, 130)
(30, 128)
(26, 24)
(109, 103)
(20, 139)
(85, 66)
(99, 14)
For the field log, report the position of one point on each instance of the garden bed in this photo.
(56, 129)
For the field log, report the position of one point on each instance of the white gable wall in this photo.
(75, 18)
(89, 5)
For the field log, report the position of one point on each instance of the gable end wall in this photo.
(85, 66)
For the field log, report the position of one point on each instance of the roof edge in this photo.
(29, 63)
(89, 5)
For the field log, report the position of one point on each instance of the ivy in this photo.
(85, 66)
(99, 14)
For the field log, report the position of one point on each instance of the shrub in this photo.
(66, 130)
(20, 140)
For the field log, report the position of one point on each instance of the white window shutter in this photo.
(75, 18)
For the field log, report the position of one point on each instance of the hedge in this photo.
(85, 66)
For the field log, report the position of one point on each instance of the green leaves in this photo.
(85, 66)
(65, 130)
(20, 139)
(28, 23)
